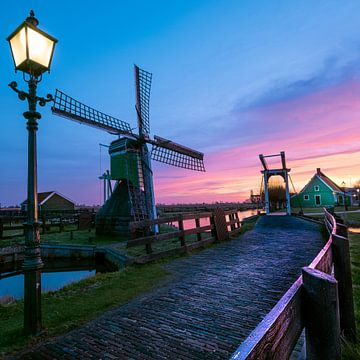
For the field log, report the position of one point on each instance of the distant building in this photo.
(255, 198)
(320, 191)
(51, 201)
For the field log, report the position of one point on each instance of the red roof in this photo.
(328, 181)
(325, 179)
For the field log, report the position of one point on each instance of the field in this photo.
(352, 351)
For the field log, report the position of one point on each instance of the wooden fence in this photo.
(191, 208)
(220, 225)
(47, 223)
(320, 300)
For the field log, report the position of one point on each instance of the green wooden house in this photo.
(320, 191)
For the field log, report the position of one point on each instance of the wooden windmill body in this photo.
(132, 198)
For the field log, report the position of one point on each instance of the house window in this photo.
(317, 200)
(306, 197)
(316, 188)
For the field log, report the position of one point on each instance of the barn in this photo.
(51, 201)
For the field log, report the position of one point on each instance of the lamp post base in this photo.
(32, 279)
(32, 302)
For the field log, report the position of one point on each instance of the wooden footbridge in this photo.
(228, 302)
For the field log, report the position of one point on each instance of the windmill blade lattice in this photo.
(143, 87)
(171, 153)
(68, 107)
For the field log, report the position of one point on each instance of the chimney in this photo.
(318, 171)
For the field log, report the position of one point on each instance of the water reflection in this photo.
(55, 275)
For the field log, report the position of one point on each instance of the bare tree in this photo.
(277, 196)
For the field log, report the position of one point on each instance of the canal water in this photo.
(55, 275)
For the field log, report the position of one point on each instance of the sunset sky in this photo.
(232, 79)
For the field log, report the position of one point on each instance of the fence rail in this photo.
(219, 226)
(316, 301)
(191, 208)
(82, 220)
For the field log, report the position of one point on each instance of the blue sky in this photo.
(221, 69)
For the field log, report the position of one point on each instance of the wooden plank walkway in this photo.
(210, 305)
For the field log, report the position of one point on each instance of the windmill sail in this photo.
(66, 106)
(171, 153)
(133, 198)
(142, 94)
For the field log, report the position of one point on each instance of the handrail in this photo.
(141, 233)
(222, 225)
(277, 334)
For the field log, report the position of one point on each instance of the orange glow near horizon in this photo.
(320, 130)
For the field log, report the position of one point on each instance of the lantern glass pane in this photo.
(18, 47)
(40, 48)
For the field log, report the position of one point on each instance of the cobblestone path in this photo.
(213, 301)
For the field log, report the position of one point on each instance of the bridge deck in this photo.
(213, 301)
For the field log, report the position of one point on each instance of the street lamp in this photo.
(32, 51)
(345, 204)
(358, 198)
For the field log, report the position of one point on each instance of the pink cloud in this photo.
(317, 130)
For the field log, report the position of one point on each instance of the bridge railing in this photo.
(141, 233)
(320, 300)
(218, 225)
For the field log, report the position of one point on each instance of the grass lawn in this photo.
(77, 303)
(351, 219)
(307, 210)
(320, 209)
(70, 236)
(352, 351)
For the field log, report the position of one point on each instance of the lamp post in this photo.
(345, 204)
(32, 51)
(358, 196)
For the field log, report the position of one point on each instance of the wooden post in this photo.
(221, 229)
(61, 226)
(197, 224)
(212, 222)
(341, 230)
(43, 218)
(238, 225)
(231, 218)
(342, 268)
(148, 247)
(181, 228)
(1, 229)
(321, 315)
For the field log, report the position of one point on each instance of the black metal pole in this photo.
(32, 263)
(345, 203)
(32, 259)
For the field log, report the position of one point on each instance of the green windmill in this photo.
(130, 158)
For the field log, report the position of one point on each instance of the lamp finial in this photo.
(32, 19)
